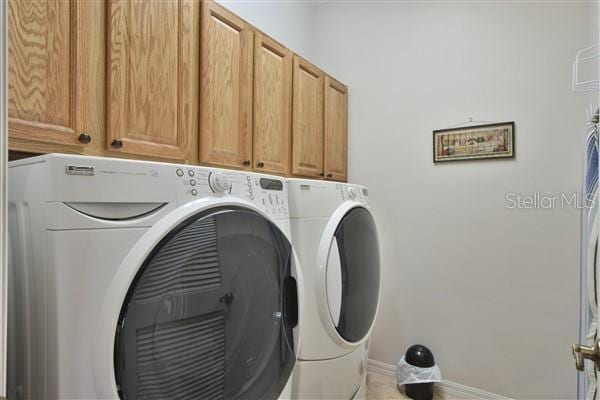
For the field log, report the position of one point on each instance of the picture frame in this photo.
(476, 142)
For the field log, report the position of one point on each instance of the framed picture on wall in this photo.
(474, 142)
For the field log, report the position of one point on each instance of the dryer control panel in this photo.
(269, 193)
(353, 192)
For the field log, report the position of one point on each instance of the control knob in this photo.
(219, 182)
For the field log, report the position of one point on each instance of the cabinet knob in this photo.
(84, 138)
(117, 144)
(260, 164)
(329, 175)
(321, 174)
(246, 163)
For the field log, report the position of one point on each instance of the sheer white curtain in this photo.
(3, 160)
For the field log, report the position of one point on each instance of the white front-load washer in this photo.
(133, 279)
(335, 237)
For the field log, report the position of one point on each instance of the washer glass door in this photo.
(210, 313)
(352, 276)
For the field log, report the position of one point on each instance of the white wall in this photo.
(594, 38)
(289, 22)
(594, 21)
(493, 292)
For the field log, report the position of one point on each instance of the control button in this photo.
(251, 197)
(179, 172)
(194, 192)
(190, 172)
(219, 182)
(192, 182)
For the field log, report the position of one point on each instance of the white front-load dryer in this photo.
(133, 279)
(335, 237)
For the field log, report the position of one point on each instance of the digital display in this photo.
(271, 184)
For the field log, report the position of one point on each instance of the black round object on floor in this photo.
(419, 356)
(419, 391)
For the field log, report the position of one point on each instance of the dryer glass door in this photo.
(352, 278)
(210, 313)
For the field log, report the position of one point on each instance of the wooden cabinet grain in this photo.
(336, 130)
(307, 120)
(152, 78)
(272, 106)
(226, 89)
(55, 88)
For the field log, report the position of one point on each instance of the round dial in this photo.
(219, 182)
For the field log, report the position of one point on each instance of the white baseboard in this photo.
(446, 389)
(382, 368)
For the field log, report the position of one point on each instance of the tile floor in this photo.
(382, 387)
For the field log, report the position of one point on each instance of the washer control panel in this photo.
(268, 193)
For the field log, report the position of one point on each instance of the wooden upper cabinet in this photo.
(152, 78)
(307, 120)
(272, 106)
(52, 80)
(226, 89)
(176, 80)
(336, 130)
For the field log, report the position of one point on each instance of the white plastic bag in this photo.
(407, 374)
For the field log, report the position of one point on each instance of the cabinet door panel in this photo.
(307, 120)
(48, 79)
(151, 78)
(336, 130)
(226, 89)
(272, 106)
